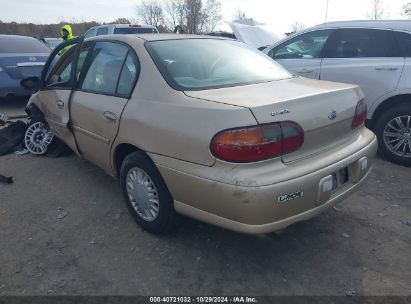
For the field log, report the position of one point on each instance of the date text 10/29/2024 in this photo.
(203, 300)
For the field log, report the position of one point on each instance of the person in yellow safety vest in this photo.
(67, 35)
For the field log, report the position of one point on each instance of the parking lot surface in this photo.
(65, 230)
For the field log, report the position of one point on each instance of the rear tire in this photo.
(146, 194)
(393, 130)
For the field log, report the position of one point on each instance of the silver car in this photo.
(376, 55)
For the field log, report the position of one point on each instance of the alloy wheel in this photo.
(397, 136)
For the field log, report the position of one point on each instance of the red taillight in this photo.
(250, 144)
(360, 114)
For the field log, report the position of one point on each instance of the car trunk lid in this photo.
(324, 110)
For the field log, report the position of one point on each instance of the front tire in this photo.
(146, 194)
(393, 129)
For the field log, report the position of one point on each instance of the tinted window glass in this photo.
(22, 46)
(104, 71)
(210, 63)
(128, 75)
(358, 43)
(60, 73)
(81, 58)
(134, 30)
(102, 31)
(405, 41)
(304, 46)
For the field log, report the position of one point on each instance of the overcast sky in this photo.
(281, 14)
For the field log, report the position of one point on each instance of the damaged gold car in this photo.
(203, 127)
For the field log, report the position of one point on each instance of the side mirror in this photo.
(31, 84)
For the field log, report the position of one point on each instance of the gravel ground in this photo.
(65, 230)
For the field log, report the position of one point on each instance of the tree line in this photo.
(43, 30)
(189, 16)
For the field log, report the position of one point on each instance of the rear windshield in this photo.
(22, 46)
(199, 64)
(134, 30)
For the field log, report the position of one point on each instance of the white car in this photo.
(376, 55)
(110, 29)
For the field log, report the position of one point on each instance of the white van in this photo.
(110, 29)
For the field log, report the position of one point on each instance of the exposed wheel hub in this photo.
(37, 138)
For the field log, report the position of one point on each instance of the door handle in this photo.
(305, 71)
(60, 104)
(110, 116)
(386, 69)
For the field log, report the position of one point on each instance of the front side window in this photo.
(198, 64)
(59, 74)
(103, 75)
(305, 46)
(91, 33)
(102, 31)
(361, 43)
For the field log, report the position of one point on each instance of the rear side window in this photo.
(112, 71)
(135, 30)
(91, 33)
(305, 46)
(361, 43)
(102, 31)
(22, 46)
(405, 41)
(128, 75)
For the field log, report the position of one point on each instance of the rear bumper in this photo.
(268, 227)
(257, 210)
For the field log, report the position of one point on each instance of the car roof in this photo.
(134, 25)
(153, 37)
(15, 37)
(157, 37)
(402, 25)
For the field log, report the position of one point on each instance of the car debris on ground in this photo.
(11, 134)
(5, 179)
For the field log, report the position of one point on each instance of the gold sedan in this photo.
(204, 127)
